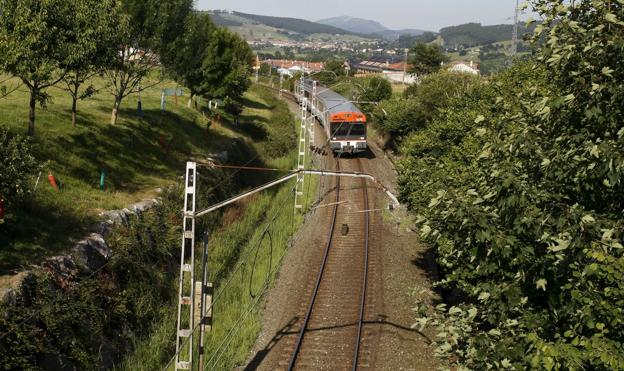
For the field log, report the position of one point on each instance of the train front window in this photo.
(348, 130)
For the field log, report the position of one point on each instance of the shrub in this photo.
(17, 167)
(532, 234)
(420, 103)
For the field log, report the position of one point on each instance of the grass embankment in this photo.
(245, 250)
(139, 154)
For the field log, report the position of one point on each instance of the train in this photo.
(343, 122)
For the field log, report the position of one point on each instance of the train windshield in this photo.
(348, 130)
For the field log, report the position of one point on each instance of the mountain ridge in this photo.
(368, 27)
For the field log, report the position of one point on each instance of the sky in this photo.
(428, 15)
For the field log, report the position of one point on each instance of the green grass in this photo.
(243, 261)
(131, 152)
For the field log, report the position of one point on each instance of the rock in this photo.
(115, 217)
(63, 269)
(15, 288)
(92, 253)
(104, 228)
(144, 205)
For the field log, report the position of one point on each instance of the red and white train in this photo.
(343, 122)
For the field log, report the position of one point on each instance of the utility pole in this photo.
(514, 39)
(186, 290)
(301, 160)
(257, 67)
(405, 65)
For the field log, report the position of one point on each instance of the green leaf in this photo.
(588, 219)
(595, 151)
(479, 119)
(560, 245)
(541, 284)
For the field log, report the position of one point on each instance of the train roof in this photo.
(334, 102)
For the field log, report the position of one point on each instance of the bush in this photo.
(17, 167)
(528, 222)
(375, 89)
(420, 103)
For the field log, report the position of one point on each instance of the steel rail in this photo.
(304, 326)
(365, 278)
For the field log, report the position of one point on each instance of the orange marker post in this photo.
(52, 181)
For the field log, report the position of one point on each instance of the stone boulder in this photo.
(92, 253)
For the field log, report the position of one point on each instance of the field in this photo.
(245, 253)
(139, 155)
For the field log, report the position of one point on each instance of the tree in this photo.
(525, 208)
(98, 20)
(39, 41)
(375, 89)
(192, 47)
(265, 69)
(421, 103)
(226, 66)
(336, 66)
(148, 31)
(399, 116)
(426, 58)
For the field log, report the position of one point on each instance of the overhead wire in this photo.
(234, 330)
(221, 289)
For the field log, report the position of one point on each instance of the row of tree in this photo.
(45, 43)
(517, 182)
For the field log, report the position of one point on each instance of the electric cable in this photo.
(221, 289)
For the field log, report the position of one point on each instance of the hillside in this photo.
(369, 27)
(472, 34)
(139, 155)
(266, 29)
(356, 25)
(294, 24)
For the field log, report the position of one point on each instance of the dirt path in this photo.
(400, 267)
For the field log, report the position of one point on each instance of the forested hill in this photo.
(294, 24)
(471, 34)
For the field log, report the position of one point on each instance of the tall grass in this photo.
(244, 255)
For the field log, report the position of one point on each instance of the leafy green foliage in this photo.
(414, 111)
(40, 41)
(144, 28)
(62, 320)
(374, 89)
(17, 167)
(97, 21)
(426, 58)
(226, 66)
(524, 204)
(399, 116)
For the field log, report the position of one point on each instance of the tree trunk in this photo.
(74, 106)
(115, 110)
(190, 101)
(31, 113)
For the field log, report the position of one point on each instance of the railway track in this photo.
(330, 325)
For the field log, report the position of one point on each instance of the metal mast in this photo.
(514, 39)
(186, 297)
(302, 150)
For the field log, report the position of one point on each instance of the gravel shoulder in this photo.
(403, 266)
